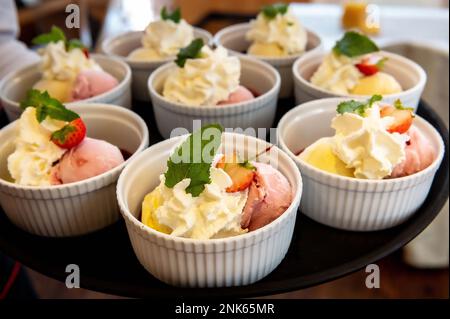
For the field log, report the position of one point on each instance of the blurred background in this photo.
(416, 28)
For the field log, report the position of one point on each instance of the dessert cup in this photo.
(14, 86)
(345, 202)
(409, 74)
(233, 38)
(120, 46)
(76, 208)
(231, 261)
(256, 75)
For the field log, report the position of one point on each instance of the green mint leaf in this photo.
(55, 35)
(399, 106)
(375, 98)
(355, 44)
(75, 44)
(47, 106)
(175, 16)
(192, 51)
(193, 159)
(357, 107)
(61, 134)
(246, 164)
(380, 64)
(351, 107)
(271, 11)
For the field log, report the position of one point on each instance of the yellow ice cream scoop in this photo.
(266, 49)
(149, 206)
(144, 54)
(379, 83)
(321, 156)
(60, 90)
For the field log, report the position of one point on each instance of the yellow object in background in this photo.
(362, 16)
(266, 49)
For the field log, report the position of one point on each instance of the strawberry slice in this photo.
(402, 119)
(241, 173)
(86, 52)
(367, 69)
(70, 135)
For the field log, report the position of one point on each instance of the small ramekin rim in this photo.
(310, 55)
(142, 146)
(271, 60)
(145, 64)
(124, 209)
(121, 86)
(231, 106)
(334, 177)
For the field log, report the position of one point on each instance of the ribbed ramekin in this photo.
(77, 208)
(409, 74)
(14, 86)
(232, 261)
(350, 203)
(121, 46)
(233, 38)
(257, 113)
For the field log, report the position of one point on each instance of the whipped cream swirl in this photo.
(31, 162)
(62, 65)
(204, 81)
(285, 30)
(337, 74)
(213, 214)
(363, 143)
(167, 37)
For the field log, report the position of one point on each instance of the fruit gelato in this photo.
(164, 38)
(90, 158)
(205, 77)
(218, 197)
(51, 147)
(276, 32)
(355, 67)
(68, 73)
(372, 141)
(92, 83)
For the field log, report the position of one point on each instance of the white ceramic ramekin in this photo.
(122, 45)
(350, 203)
(256, 75)
(77, 208)
(14, 86)
(232, 261)
(409, 74)
(233, 38)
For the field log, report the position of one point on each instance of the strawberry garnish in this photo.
(403, 118)
(241, 173)
(86, 52)
(371, 65)
(367, 69)
(70, 135)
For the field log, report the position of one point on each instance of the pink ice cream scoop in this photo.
(90, 158)
(419, 155)
(92, 83)
(269, 196)
(240, 95)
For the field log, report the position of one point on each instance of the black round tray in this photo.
(317, 253)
